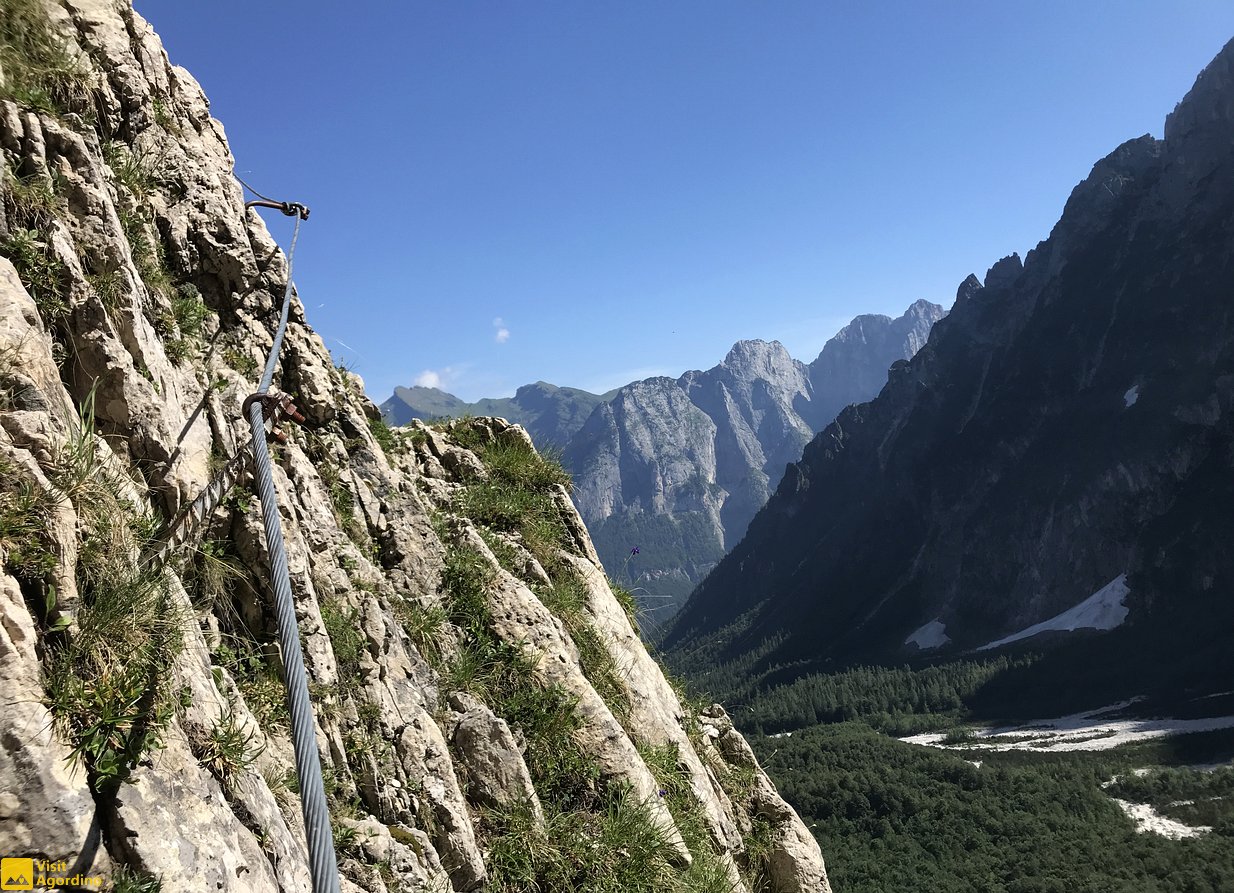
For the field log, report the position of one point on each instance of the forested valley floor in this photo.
(892, 815)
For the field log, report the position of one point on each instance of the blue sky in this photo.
(592, 192)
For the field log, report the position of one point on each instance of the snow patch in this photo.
(1148, 820)
(1132, 395)
(931, 635)
(1104, 610)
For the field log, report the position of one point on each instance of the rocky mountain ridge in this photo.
(1067, 424)
(487, 716)
(550, 414)
(678, 467)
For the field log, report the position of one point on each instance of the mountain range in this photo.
(677, 467)
(1058, 459)
(550, 414)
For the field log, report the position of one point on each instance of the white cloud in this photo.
(502, 335)
(444, 378)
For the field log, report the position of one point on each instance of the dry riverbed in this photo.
(1099, 729)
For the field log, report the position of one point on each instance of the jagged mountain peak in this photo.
(678, 467)
(920, 315)
(1003, 272)
(969, 287)
(756, 355)
(923, 309)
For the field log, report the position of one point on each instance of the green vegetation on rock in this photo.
(40, 70)
(108, 677)
(596, 836)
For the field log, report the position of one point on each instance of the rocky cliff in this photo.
(679, 467)
(1064, 434)
(486, 714)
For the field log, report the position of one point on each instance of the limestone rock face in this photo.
(45, 803)
(481, 697)
(678, 468)
(499, 775)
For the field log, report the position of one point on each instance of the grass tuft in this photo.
(43, 274)
(132, 880)
(108, 683)
(41, 71)
(182, 329)
(147, 251)
(109, 287)
(32, 200)
(25, 515)
(424, 624)
(256, 677)
(342, 626)
(707, 872)
(616, 848)
(229, 748)
(519, 495)
(567, 598)
(242, 361)
(386, 438)
(130, 169)
(342, 499)
(629, 604)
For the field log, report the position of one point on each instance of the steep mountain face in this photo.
(486, 714)
(853, 365)
(552, 415)
(678, 467)
(1069, 423)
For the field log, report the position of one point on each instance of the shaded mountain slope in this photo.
(1069, 422)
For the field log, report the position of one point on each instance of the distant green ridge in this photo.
(551, 414)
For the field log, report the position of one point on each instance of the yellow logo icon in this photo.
(16, 874)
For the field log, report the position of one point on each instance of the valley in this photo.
(972, 612)
(1124, 798)
(893, 815)
(961, 580)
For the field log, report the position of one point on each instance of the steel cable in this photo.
(322, 862)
